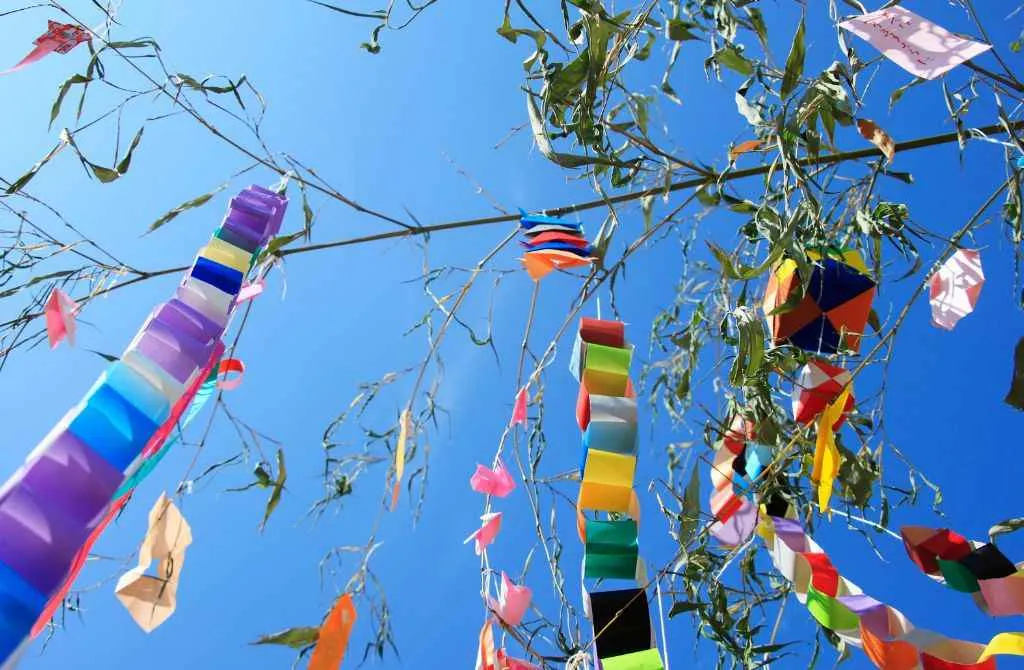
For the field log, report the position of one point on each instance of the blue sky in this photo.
(382, 129)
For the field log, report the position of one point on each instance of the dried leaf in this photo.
(870, 131)
(744, 147)
(296, 638)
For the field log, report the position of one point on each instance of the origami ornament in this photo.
(553, 244)
(519, 411)
(151, 600)
(826, 454)
(497, 482)
(735, 516)
(332, 643)
(512, 602)
(485, 535)
(955, 288)
(817, 385)
(505, 662)
(914, 43)
(59, 37)
(405, 426)
(884, 633)
(60, 318)
(833, 312)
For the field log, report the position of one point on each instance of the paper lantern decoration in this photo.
(816, 386)
(648, 659)
(883, 632)
(611, 549)
(55, 506)
(955, 288)
(833, 313)
(553, 244)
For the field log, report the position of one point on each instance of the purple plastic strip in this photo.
(191, 322)
(198, 351)
(171, 360)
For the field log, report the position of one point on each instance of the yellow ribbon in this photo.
(826, 454)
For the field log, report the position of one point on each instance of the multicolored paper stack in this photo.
(553, 244)
(606, 413)
(61, 498)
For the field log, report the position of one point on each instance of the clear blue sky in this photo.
(381, 129)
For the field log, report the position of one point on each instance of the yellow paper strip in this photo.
(826, 454)
(403, 436)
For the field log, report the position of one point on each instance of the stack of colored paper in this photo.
(607, 414)
(53, 504)
(553, 244)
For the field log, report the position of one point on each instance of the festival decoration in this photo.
(54, 507)
(553, 244)
(883, 632)
(60, 318)
(484, 536)
(816, 386)
(332, 641)
(735, 515)
(826, 454)
(151, 600)
(977, 568)
(497, 482)
(833, 312)
(405, 427)
(955, 288)
(519, 410)
(606, 413)
(914, 43)
(59, 38)
(512, 601)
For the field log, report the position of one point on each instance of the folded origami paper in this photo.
(817, 385)
(553, 244)
(332, 642)
(60, 318)
(151, 600)
(497, 482)
(735, 516)
(648, 659)
(977, 568)
(611, 549)
(622, 624)
(583, 403)
(826, 454)
(58, 38)
(512, 601)
(607, 481)
(519, 410)
(488, 530)
(833, 312)
(506, 662)
(955, 288)
(915, 44)
(887, 637)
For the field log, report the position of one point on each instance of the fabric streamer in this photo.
(332, 642)
(552, 244)
(887, 637)
(151, 600)
(955, 288)
(56, 505)
(59, 38)
(60, 318)
(607, 414)
(978, 568)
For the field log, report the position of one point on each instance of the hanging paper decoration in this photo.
(55, 506)
(817, 385)
(60, 318)
(58, 38)
(607, 414)
(250, 290)
(833, 312)
(497, 482)
(914, 43)
(151, 600)
(332, 642)
(519, 411)
(955, 288)
(883, 632)
(484, 536)
(405, 427)
(826, 454)
(553, 244)
(977, 568)
(512, 601)
(735, 515)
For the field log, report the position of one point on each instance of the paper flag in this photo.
(151, 600)
(405, 426)
(59, 37)
(485, 535)
(826, 454)
(60, 318)
(332, 642)
(497, 482)
(519, 411)
(817, 385)
(833, 313)
(512, 602)
(486, 658)
(914, 43)
(250, 291)
(954, 289)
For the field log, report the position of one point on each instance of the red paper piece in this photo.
(59, 37)
(60, 318)
(554, 236)
(226, 367)
(519, 412)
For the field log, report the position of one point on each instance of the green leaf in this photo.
(690, 516)
(681, 607)
(184, 207)
(24, 179)
(679, 30)
(1004, 527)
(794, 62)
(731, 58)
(1015, 397)
(275, 493)
(64, 88)
(296, 638)
(122, 167)
(540, 136)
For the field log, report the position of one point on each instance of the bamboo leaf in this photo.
(184, 207)
(1004, 527)
(1015, 397)
(296, 638)
(794, 62)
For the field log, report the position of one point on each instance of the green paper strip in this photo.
(648, 659)
(829, 612)
(958, 577)
(611, 550)
(611, 360)
(609, 566)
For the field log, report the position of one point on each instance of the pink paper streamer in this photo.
(512, 602)
(954, 290)
(519, 412)
(59, 37)
(60, 318)
(485, 535)
(496, 482)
